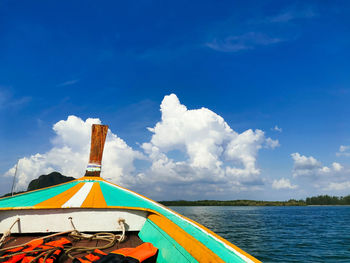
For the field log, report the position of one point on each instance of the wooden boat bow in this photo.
(96, 204)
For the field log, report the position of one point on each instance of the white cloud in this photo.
(344, 150)
(337, 166)
(118, 160)
(325, 170)
(269, 143)
(304, 165)
(70, 151)
(323, 177)
(283, 184)
(285, 16)
(292, 14)
(339, 186)
(247, 41)
(276, 128)
(214, 157)
(8, 101)
(68, 83)
(216, 154)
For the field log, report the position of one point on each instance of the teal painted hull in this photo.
(178, 238)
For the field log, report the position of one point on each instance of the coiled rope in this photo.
(7, 233)
(110, 238)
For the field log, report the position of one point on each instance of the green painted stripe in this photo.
(32, 198)
(169, 249)
(118, 197)
(115, 196)
(215, 246)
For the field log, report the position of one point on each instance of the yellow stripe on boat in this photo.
(96, 193)
(199, 251)
(58, 200)
(79, 197)
(95, 198)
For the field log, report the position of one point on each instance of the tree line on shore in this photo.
(315, 200)
(328, 200)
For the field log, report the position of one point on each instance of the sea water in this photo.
(280, 234)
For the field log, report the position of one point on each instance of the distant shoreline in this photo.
(233, 203)
(313, 201)
(55, 178)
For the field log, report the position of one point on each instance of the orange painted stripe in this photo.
(222, 239)
(199, 251)
(95, 198)
(93, 178)
(194, 222)
(58, 200)
(167, 208)
(32, 191)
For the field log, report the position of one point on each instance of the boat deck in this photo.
(131, 240)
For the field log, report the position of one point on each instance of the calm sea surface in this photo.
(280, 234)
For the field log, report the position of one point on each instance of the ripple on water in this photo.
(281, 234)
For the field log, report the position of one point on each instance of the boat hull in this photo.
(96, 205)
(59, 220)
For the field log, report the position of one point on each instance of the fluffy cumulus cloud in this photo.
(276, 128)
(69, 154)
(309, 166)
(304, 165)
(283, 184)
(344, 150)
(190, 152)
(331, 178)
(335, 186)
(216, 154)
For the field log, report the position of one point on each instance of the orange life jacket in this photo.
(58, 245)
(29, 247)
(92, 257)
(143, 253)
(37, 244)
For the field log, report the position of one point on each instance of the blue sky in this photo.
(257, 64)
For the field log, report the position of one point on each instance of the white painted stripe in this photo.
(246, 259)
(78, 199)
